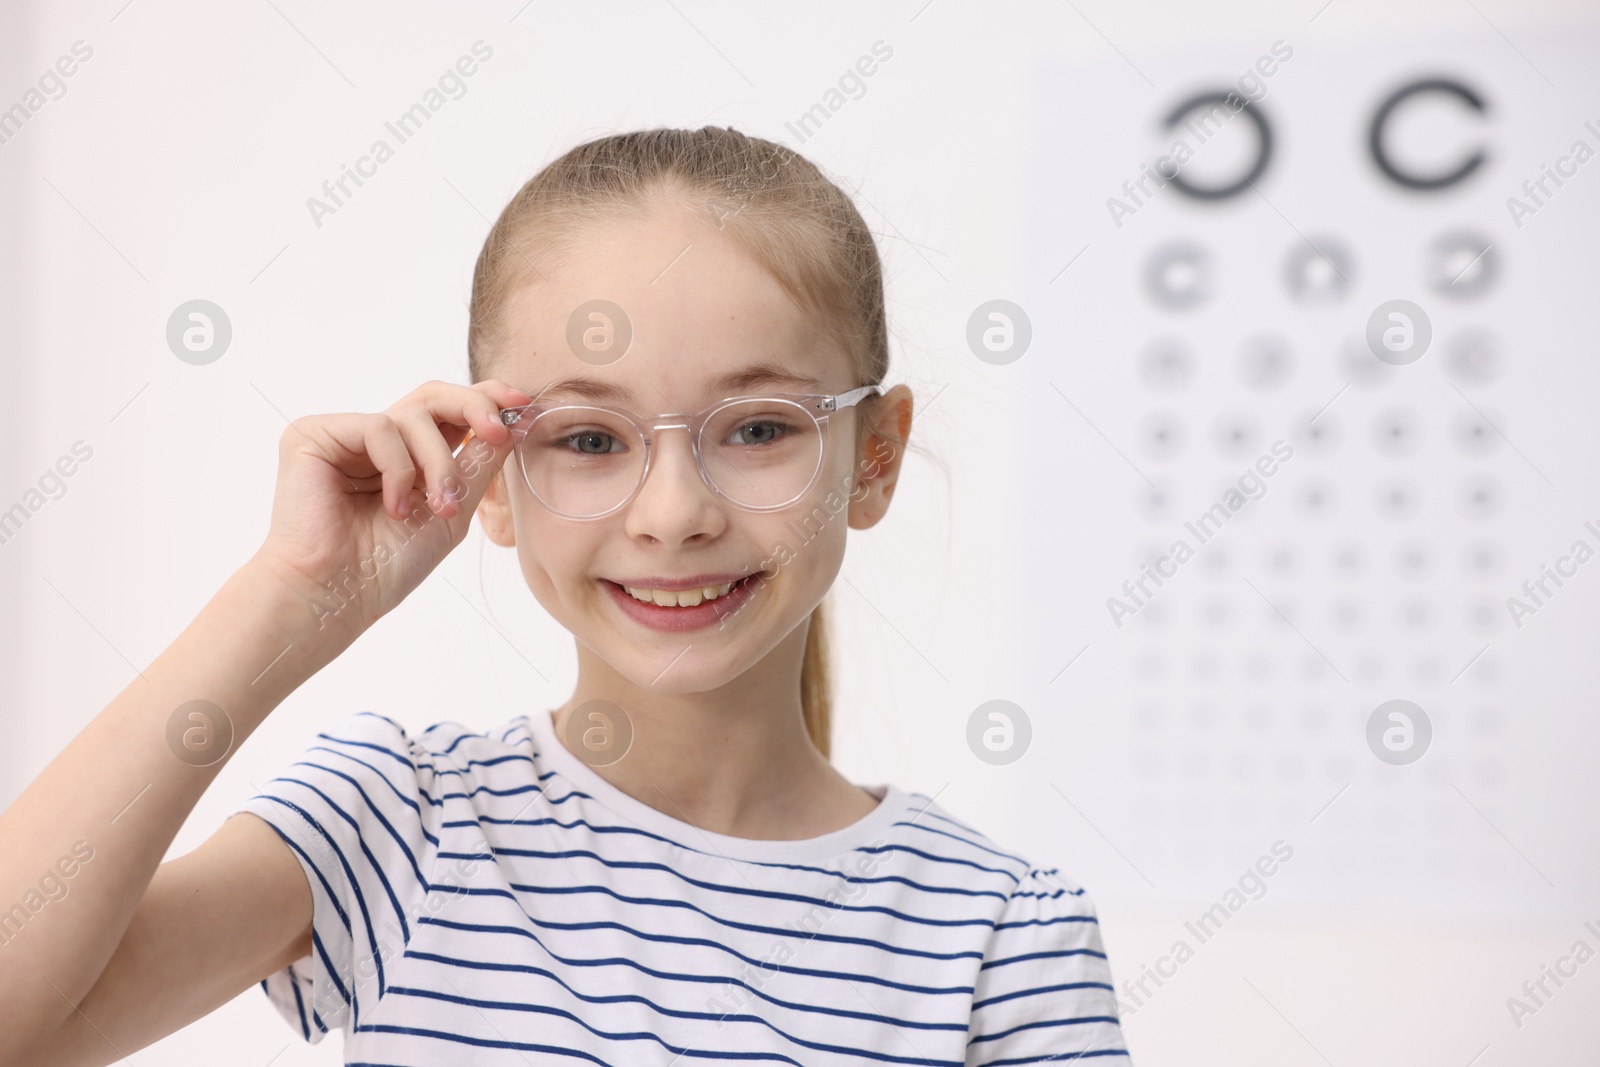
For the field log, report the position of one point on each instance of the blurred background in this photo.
(1254, 353)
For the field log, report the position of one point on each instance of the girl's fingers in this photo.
(506, 395)
(475, 407)
(435, 419)
(388, 452)
(420, 433)
(362, 448)
(432, 455)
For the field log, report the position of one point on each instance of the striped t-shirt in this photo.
(489, 899)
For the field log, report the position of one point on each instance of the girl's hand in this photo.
(367, 505)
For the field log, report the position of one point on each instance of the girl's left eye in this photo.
(760, 433)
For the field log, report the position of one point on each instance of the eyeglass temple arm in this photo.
(849, 399)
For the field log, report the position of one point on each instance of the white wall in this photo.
(178, 164)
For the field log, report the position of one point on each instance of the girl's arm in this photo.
(129, 953)
(101, 953)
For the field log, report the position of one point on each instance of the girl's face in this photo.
(701, 314)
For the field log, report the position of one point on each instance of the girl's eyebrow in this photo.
(736, 382)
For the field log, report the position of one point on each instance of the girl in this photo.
(664, 868)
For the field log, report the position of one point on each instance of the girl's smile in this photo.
(693, 606)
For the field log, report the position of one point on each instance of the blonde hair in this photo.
(776, 207)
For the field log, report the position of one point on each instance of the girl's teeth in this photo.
(688, 598)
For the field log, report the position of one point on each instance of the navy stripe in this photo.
(321, 950)
(554, 1050)
(1055, 1057)
(717, 981)
(600, 828)
(942, 859)
(1048, 922)
(623, 962)
(1043, 1023)
(299, 1003)
(731, 924)
(1002, 998)
(1043, 956)
(716, 886)
(966, 841)
(690, 1053)
(666, 902)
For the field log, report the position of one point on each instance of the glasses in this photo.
(760, 453)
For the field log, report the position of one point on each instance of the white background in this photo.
(177, 167)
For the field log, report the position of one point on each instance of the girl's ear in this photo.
(494, 512)
(882, 446)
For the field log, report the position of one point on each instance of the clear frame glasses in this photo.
(759, 452)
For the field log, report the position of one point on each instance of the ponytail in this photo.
(816, 698)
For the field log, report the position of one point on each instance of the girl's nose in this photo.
(674, 504)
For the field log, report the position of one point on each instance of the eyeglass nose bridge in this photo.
(650, 426)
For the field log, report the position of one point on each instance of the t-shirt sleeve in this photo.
(359, 810)
(1044, 991)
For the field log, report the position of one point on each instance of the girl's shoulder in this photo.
(1032, 880)
(444, 737)
(439, 748)
(368, 784)
(1028, 900)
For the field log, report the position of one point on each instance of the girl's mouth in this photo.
(679, 617)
